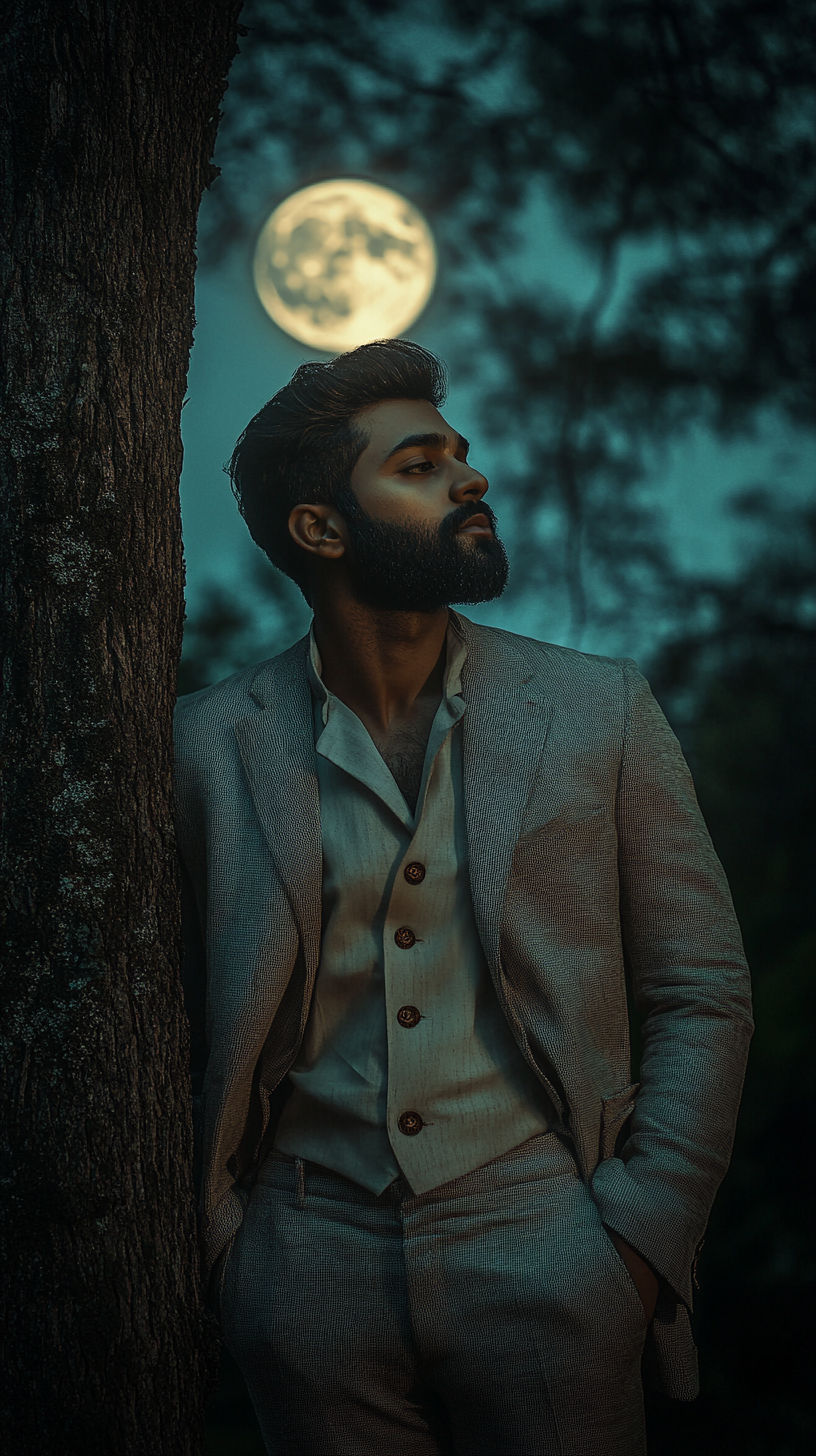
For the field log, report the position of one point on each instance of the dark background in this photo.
(676, 145)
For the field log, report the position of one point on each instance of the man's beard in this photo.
(398, 566)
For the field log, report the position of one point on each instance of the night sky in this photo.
(240, 358)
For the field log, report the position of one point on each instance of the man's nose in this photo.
(468, 484)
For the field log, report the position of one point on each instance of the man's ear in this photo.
(319, 530)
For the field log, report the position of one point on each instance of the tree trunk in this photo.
(107, 122)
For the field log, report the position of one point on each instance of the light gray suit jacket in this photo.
(589, 861)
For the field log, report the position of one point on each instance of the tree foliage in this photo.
(675, 140)
(739, 684)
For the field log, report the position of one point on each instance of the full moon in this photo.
(344, 262)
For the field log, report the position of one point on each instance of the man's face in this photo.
(418, 533)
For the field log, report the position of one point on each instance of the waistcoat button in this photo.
(405, 937)
(414, 873)
(408, 1016)
(410, 1123)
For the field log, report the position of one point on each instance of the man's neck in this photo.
(388, 667)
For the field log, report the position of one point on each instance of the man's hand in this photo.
(643, 1276)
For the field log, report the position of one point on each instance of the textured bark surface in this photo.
(108, 114)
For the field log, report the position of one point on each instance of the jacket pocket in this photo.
(614, 1112)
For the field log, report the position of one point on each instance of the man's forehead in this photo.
(392, 414)
(394, 420)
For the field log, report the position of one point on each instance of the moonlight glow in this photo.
(344, 262)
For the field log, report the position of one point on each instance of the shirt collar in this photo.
(456, 653)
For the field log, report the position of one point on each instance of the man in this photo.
(420, 858)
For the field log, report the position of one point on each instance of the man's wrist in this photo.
(643, 1276)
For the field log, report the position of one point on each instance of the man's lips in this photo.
(476, 526)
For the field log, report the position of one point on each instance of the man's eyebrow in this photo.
(433, 442)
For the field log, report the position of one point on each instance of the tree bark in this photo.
(107, 123)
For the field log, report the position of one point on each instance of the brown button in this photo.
(410, 1123)
(408, 1016)
(405, 937)
(414, 873)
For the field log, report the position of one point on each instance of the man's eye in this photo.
(420, 466)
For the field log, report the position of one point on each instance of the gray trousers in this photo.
(489, 1317)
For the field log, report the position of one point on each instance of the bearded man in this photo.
(421, 858)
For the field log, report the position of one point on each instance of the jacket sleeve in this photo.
(689, 978)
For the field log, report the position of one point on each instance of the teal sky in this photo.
(240, 358)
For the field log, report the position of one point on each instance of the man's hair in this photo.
(303, 445)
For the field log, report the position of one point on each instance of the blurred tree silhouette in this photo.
(225, 634)
(675, 140)
(739, 685)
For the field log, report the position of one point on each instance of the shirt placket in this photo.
(410, 936)
(407, 943)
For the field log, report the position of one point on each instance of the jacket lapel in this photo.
(276, 744)
(505, 728)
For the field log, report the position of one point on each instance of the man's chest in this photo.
(403, 749)
(404, 754)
